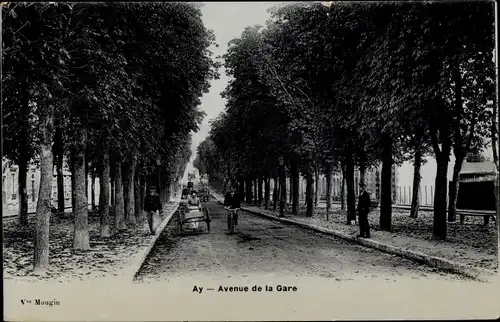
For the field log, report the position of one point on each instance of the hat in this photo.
(152, 188)
(362, 184)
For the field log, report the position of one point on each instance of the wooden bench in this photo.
(477, 213)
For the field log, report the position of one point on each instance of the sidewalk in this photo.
(114, 259)
(471, 250)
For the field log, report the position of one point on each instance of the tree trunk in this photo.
(168, 192)
(43, 211)
(112, 195)
(454, 185)
(309, 194)
(92, 191)
(497, 195)
(73, 181)
(249, 191)
(386, 185)
(81, 232)
(241, 189)
(125, 177)
(282, 191)
(87, 181)
(137, 199)
(119, 201)
(495, 140)
(142, 196)
(129, 187)
(255, 192)
(100, 201)
(415, 200)
(439, 222)
(275, 193)
(316, 187)
(104, 195)
(59, 157)
(21, 186)
(342, 191)
(294, 167)
(112, 173)
(329, 188)
(267, 187)
(261, 197)
(290, 193)
(351, 196)
(164, 193)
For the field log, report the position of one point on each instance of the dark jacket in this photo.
(152, 203)
(232, 201)
(364, 203)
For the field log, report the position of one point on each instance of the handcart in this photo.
(190, 216)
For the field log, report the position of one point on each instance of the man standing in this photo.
(152, 204)
(363, 210)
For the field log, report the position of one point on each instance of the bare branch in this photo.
(275, 74)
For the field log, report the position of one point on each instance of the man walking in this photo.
(152, 204)
(363, 210)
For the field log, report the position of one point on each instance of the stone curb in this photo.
(141, 257)
(481, 275)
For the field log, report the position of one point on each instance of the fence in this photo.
(404, 195)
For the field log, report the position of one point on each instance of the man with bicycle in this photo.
(232, 202)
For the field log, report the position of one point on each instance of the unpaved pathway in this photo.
(263, 247)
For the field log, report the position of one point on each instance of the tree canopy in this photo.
(357, 85)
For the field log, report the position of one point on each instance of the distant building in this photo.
(10, 193)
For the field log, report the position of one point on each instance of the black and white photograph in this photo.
(166, 161)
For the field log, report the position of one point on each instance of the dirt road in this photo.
(263, 247)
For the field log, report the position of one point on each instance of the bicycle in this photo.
(231, 218)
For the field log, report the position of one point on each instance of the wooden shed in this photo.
(477, 186)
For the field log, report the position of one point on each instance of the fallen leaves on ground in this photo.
(107, 256)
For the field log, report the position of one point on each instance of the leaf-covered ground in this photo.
(107, 257)
(470, 243)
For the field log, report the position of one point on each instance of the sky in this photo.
(227, 20)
